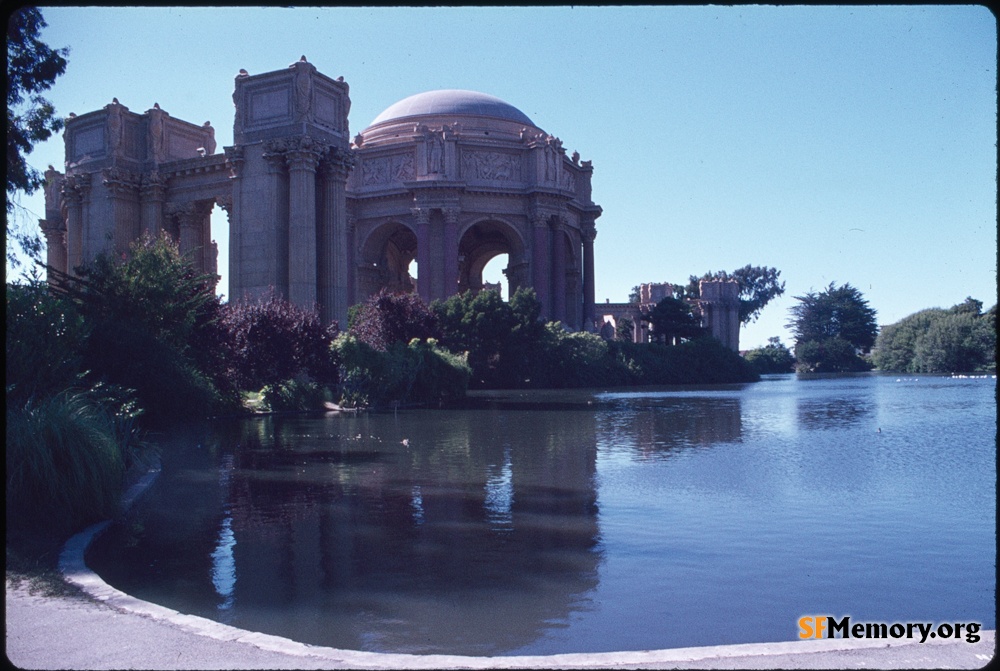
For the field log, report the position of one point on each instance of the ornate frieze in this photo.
(388, 169)
(491, 165)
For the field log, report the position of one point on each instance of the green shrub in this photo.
(169, 386)
(153, 321)
(830, 355)
(575, 359)
(439, 375)
(699, 361)
(45, 338)
(65, 464)
(292, 395)
(418, 372)
(504, 340)
(772, 358)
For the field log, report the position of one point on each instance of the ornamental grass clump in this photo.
(65, 466)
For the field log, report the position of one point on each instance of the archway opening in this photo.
(494, 275)
(219, 233)
(490, 254)
(389, 257)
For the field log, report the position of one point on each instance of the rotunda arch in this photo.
(483, 241)
(386, 255)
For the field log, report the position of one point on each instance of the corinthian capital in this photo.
(422, 215)
(76, 187)
(120, 182)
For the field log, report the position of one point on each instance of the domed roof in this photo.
(452, 102)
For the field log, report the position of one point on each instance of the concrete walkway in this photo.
(109, 629)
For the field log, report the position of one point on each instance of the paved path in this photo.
(76, 633)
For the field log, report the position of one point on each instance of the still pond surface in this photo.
(581, 521)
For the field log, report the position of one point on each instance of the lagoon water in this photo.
(551, 522)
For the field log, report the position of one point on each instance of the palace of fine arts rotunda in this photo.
(450, 179)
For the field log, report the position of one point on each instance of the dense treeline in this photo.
(505, 345)
(961, 339)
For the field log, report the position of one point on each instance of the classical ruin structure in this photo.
(718, 308)
(450, 179)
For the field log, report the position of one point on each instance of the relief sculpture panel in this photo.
(491, 165)
(388, 169)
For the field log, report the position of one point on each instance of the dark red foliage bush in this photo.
(389, 317)
(272, 340)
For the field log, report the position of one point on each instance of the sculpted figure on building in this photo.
(449, 179)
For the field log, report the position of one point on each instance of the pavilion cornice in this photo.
(194, 166)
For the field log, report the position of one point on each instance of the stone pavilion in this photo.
(449, 178)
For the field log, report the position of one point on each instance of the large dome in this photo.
(452, 102)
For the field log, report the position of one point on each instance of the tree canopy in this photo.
(32, 67)
(772, 358)
(835, 312)
(759, 285)
(960, 339)
(672, 320)
(830, 327)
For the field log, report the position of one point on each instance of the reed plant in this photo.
(65, 462)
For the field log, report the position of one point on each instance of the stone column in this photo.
(76, 192)
(55, 243)
(333, 262)
(189, 224)
(153, 194)
(123, 193)
(540, 269)
(302, 162)
(451, 251)
(234, 160)
(422, 217)
(352, 268)
(588, 233)
(275, 208)
(559, 270)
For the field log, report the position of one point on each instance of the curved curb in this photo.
(73, 566)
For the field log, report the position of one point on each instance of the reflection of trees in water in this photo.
(474, 537)
(660, 426)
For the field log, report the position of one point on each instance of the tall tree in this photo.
(830, 327)
(835, 312)
(759, 285)
(32, 67)
(672, 321)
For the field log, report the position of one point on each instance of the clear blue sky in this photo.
(846, 144)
